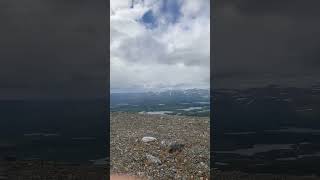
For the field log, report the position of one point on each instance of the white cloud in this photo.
(170, 55)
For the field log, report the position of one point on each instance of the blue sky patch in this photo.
(149, 19)
(169, 10)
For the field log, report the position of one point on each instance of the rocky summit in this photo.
(160, 146)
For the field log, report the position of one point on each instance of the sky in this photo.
(53, 49)
(159, 45)
(256, 43)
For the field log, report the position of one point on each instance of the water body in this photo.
(191, 108)
(123, 104)
(44, 129)
(221, 164)
(102, 161)
(156, 112)
(241, 133)
(295, 130)
(301, 156)
(41, 134)
(202, 102)
(258, 148)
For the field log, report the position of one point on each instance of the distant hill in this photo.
(180, 102)
(169, 96)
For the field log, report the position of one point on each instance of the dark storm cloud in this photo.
(52, 48)
(273, 7)
(267, 40)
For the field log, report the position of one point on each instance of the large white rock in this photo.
(148, 139)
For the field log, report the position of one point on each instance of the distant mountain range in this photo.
(193, 102)
(169, 96)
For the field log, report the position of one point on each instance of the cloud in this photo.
(159, 44)
(52, 48)
(278, 38)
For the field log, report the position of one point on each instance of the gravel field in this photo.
(49, 170)
(244, 176)
(160, 146)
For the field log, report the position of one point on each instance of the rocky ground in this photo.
(160, 146)
(244, 176)
(38, 170)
